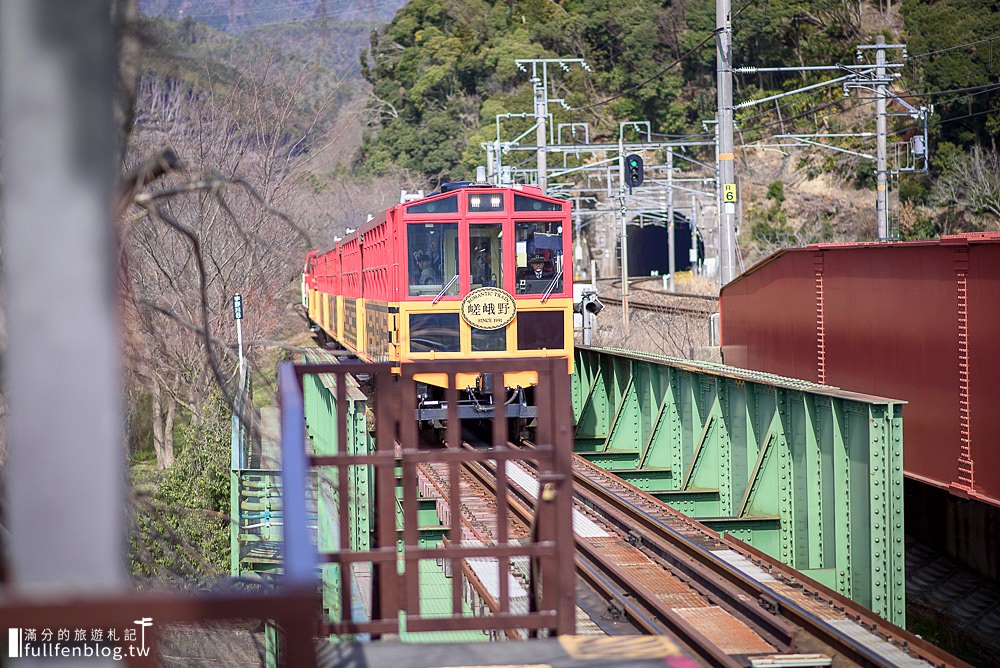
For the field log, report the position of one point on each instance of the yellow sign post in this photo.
(729, 193)
(488, 308)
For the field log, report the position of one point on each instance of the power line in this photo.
(958, 118)
(954, 48)
(698, 135)
(984, 88)
(646, 81)
(779, 122)
(807, 112)
(947, 120)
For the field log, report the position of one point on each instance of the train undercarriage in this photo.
(480, 402)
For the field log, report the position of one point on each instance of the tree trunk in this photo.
(163, 428)
(157, 410)
(168, 433)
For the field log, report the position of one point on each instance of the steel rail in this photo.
(634, 600)
(669, 535)
(668, 619)
(923, 649)
(634, 281)
(774, 616)
(663, 299)
(702, 576)
(493, 604)
(701, 579)
(643, 611)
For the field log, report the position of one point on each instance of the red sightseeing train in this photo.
(471, 271)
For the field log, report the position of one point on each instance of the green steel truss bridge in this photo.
(808, 474)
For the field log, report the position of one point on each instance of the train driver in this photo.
(536, 269)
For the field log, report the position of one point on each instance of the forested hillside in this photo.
(442, 70)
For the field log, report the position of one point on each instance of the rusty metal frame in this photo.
(396, 575)
(293, 605)
(294, 610)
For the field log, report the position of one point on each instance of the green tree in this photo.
(955, 44)
(438, 70)
(181, 525)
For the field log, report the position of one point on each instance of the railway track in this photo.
(656, 300)
(666, 574)
(735, 575)
(666, 309)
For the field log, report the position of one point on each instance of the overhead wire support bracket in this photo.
(751, 103)
(811, 142)
(750, 69)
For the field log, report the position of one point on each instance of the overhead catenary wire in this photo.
(807, 112)
(945, 121)
(954, 48)
(969, 92)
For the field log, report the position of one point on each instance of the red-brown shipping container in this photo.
(918, 321)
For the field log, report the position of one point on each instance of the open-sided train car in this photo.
(471, 271)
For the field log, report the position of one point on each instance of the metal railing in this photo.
(395, 556)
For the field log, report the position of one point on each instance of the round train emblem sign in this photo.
(488, 308)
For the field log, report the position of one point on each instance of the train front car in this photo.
(487, 274)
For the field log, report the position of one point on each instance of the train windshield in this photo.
(486, 260)
(539, 248)
(433, 259)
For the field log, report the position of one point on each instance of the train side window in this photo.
(539, 248)
(486, 258)
(444, 205)
(486, 340)
(525, 203)
(434, 331)
(540, 329)
(433, 258)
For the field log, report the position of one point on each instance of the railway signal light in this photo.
(588, 306)
(633, 170)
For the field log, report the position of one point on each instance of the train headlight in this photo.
(486, 202)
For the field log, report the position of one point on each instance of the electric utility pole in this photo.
(541, 112)
(671, 233)
(581, 160)
(623, 220)
(881, 191)
(540, 85)
(727, 172)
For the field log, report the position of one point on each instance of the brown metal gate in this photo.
(397, 551)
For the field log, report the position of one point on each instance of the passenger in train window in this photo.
(427, 275)
(482, 272)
